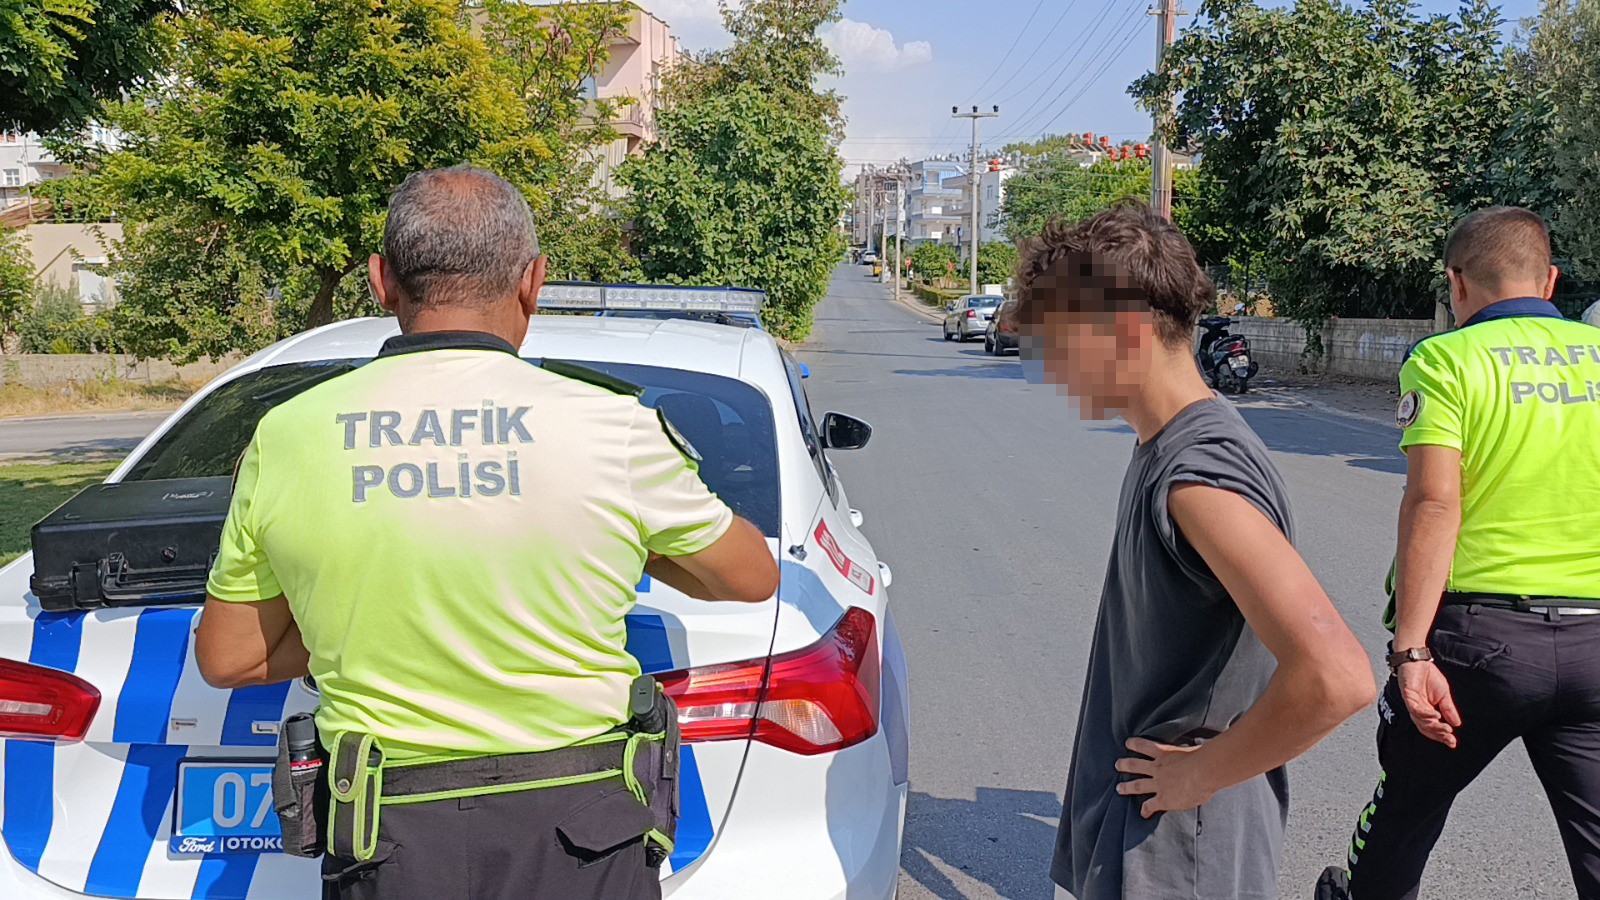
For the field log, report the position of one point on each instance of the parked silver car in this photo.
(968, 317)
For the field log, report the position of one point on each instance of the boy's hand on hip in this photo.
(1428, 700)
(1173, 777)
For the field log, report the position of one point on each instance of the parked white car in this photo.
(968, 317)
(795, 711)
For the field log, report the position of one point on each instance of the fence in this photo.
(1358, 348)
(45, 370)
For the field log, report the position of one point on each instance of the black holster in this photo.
(656, 761)
(301, 800)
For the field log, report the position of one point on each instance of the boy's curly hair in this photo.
(1146, 257)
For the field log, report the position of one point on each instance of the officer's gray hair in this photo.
(458, 235)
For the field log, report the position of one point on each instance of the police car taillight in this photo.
(815, 700)
(44, 703)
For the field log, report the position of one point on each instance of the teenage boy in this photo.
(1217, 657)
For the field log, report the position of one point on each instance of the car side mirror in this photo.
(842, 432)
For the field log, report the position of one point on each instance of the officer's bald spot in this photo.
(1500, 245)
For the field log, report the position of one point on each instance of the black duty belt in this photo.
(1523, 602)
(503, 774)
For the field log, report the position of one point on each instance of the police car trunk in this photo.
(122, 774)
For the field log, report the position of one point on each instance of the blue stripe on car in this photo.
(249, 705)
(694, 822)
(225, 877)
(30, 765)
(149, 779)
(160, 647)
(647, 641)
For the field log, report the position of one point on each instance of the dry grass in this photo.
(111, 395)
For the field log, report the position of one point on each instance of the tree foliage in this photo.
(61, 59)
(997, 260)
(254, 179)
(743, 184)
(1344, 141)
(1561, 67)
(16, 280)
(932, 260)
(1061, 187)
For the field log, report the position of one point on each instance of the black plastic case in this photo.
(130, 544)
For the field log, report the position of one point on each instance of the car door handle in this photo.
(856, 518)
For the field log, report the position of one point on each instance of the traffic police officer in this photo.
(1498, 571)
(447, 539)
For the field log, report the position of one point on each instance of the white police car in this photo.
(130, 777)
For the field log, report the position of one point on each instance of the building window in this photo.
(589, 90)
(13, 177)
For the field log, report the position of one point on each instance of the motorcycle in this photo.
(1224, 358)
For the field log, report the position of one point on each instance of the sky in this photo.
(1052, 66)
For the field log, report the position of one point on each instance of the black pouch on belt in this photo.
(300, 787)
(655, 758)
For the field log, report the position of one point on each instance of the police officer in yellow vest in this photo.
(447, 539)
(1497, 589)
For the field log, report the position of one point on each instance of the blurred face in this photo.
(1097, 360)
(1091, 335)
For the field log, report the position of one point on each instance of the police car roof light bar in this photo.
(579, 296)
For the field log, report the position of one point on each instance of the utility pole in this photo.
(1161, 155)
(899, 224)
(883, 231)
(972, 235)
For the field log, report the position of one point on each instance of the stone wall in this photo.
(1357, 348)
(46, 369)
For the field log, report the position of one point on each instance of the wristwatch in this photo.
(1415, 654)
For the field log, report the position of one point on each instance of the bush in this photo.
(48, 324)
(935, 296)
(55, 323)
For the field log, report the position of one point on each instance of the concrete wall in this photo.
(45, 370)
(1357, 348)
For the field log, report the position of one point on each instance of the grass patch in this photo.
(29, 491)
(97, 395)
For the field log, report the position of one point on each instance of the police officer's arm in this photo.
(243, 644)
(1323, 675)
(696, 543)
(1432, 413)
(246, 634)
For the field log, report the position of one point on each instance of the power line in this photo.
(1042, 41)
(1127, 41)
(1129, 26)
(1063, 57)
(1007, 55)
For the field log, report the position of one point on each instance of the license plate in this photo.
(1239, 362)
(224, 807)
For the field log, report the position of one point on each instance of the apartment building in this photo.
(640, 58)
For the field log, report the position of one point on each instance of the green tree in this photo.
(60, 59)
(1060, 187)
(741, 190)
(1561, 69)
(743, 186)
(996, 262)
(253, 179)
(931, 261)
(1343, 141)
(16, 280)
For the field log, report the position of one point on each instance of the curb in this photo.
(909, 301)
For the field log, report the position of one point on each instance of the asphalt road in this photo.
(68, 437)
(994, 505)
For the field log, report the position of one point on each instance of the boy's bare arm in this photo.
(1323, 674)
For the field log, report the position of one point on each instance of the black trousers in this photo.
(1513, 675)
(567, 843)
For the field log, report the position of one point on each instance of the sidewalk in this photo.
(1366, 400)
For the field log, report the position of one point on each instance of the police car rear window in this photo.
(729, 423)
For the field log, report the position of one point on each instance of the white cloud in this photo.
(868, 48)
